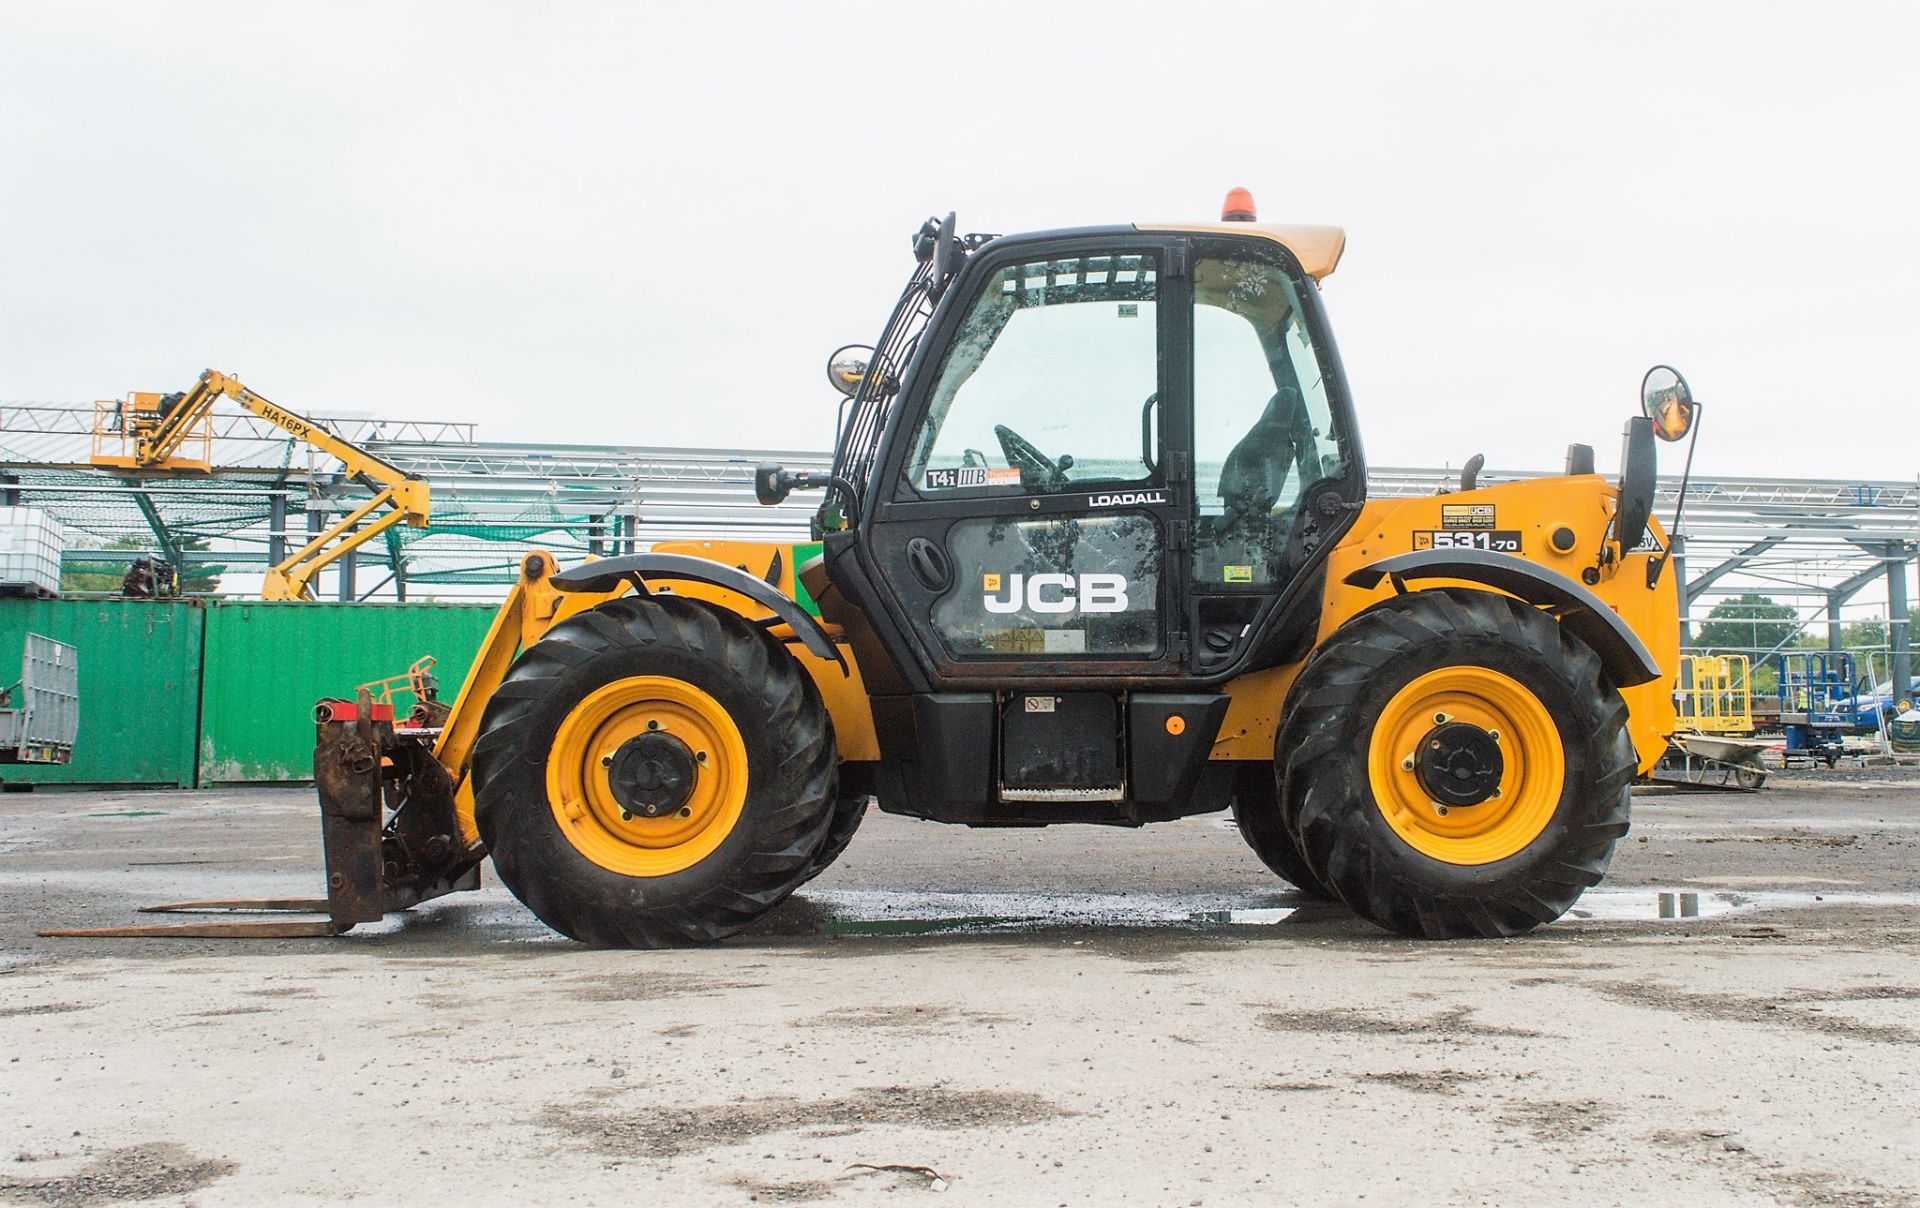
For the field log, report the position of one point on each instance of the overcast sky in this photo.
(650, 224)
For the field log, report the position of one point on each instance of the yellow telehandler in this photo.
(1095, 547)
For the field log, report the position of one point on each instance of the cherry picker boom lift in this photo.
(149, 433)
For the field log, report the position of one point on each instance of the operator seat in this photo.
(1255, 472)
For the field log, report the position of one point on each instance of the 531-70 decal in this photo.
(1500, 541)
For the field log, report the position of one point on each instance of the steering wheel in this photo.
(1033, 465)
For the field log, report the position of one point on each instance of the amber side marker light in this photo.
(1238, 207)
(1176, 725)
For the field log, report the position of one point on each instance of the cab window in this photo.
(1051, 381)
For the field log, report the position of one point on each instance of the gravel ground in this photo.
(1072, 1016)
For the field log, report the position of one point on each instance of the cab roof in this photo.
(1317, 248)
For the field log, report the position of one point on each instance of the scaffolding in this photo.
(491, 500)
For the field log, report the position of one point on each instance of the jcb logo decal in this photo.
(1055, 593)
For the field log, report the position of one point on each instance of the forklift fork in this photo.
(387, 826)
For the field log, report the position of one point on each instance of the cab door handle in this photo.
(929, 564)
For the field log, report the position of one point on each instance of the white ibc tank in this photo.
(30, 544)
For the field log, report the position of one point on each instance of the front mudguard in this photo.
(607, 574)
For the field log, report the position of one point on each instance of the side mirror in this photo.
(847, 367)
(1666, 400)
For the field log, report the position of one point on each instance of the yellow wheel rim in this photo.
(1533, 771)
(581, 792)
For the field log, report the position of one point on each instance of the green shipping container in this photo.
(266, 664)
(139, 687)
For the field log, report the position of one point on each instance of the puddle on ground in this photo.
(888, 912)
(1637, 905)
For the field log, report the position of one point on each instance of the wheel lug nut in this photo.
(687, 812)
(1440, 719)
(625, 816)
(1440, 809)
(700, 756)
(1406, 765)
(1494, 734)
(606, 761)
(652, 724)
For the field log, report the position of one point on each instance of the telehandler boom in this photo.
(1095, 547)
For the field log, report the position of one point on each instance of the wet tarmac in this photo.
(88, 859)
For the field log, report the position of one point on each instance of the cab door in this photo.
(1034, 518)
(1276, 472)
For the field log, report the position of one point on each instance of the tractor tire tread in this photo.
(793, 774)
(1322, 746)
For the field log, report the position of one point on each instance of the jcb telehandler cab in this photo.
(1095, 547)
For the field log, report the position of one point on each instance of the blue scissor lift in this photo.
(1819, 697)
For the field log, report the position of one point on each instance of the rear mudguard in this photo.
(1626, 658)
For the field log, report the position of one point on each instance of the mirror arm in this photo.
(840, 422)
(834, 482)
(1656, 565)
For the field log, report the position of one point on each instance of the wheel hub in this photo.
(1459, 764)
(652, 774)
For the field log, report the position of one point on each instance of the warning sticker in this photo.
(1466, 515)
(965, 476)
(1236, 574)
(1041, 704)
(1012, 641)
(1000, 478)
(1064, 641)
(990, 582)
(1500, 541)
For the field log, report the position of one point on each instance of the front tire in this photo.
(1419, 706)
(653, 773)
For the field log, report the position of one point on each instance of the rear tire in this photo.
(1498, 867)
(755, 750)
(1258, 812)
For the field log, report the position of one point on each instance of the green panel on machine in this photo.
(267, 663)
(139, 687)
